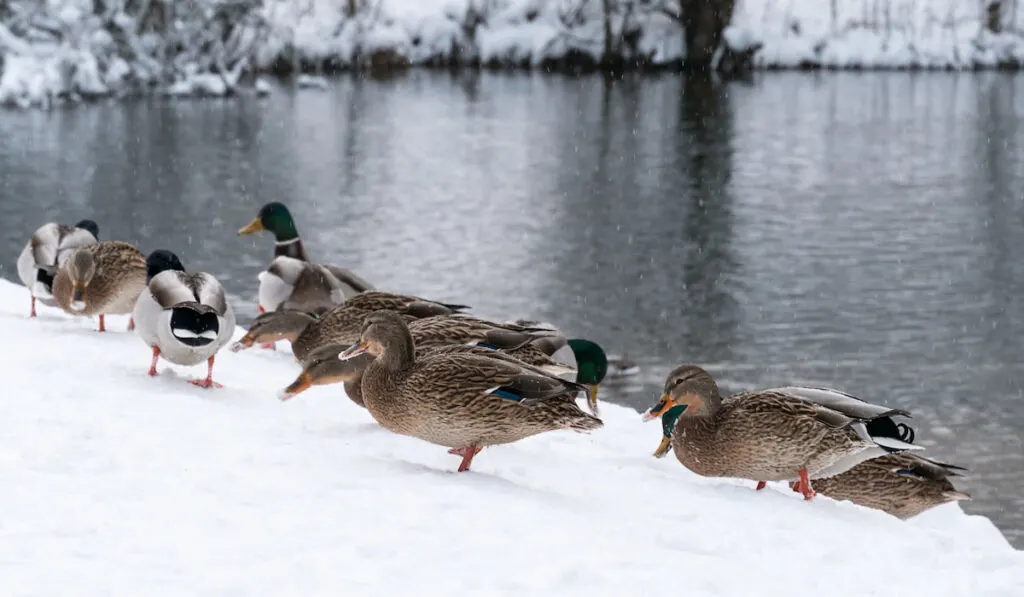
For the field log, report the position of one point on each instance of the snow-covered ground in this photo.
(862, 33)
(118, 484)
(65, 50)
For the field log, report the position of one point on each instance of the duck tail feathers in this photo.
(894, 446)
(585, 423)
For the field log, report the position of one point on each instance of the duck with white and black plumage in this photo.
(185, 318)
(50, 246)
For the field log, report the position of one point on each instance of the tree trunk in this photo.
(994, 21)
(703, 23)
(606, 6)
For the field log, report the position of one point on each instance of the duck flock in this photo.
(427, 369)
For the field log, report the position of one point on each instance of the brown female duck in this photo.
(307, 331)
(903, 485)
(780, 434)
(462, 401)
(323, 367)
(101, 279)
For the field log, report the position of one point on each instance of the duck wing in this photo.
(348, 278)
(841, 402)
(500, 377)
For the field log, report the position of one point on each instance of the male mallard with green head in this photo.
(291, 281)
(275, 218)
(780, 434)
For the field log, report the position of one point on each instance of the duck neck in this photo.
(699, 420)
(400, 354)
(290, 248)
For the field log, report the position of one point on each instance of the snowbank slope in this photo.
(115, 483)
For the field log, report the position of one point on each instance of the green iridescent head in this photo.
(274, 218)
(591, 361)
(591, 366)
(668, 423)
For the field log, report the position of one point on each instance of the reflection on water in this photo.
(855, 230)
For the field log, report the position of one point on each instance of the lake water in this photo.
(862, 231)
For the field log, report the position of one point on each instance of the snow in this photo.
(115, 483)
(880, 33)
(69, 52)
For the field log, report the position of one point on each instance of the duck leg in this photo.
(33, 313)
(761, 485)
(208, 382)
(131, 323)
(467, 454)
(103, 327)
(805, 485)
(265, 346)
(152, 366)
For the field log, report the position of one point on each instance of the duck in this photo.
(463, 401)
(592, 364)
(291, 277)
(556, 345)
(781, 434)
(48, 248)
(322, 367)
(105, 278)
(275, 218)
(307, 331)
(584, 360)
(291, 283)
(185, 318)
(903, 485)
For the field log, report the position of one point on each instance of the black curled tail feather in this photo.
(886, 427)
(906, 432)
(194, 324)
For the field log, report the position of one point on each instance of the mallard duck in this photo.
(587, 357)
(321, 366)
(780, 434)
(462, 401)
(290, 283)
(46, 251)
(291, 280)
(101, 279)
(307, 331)
(618, 366)
(903, 485)
(275, 218)
(185, 318)
(414, 306)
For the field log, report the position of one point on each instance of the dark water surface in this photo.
(863, 231)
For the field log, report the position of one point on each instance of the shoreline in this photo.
(74, 55)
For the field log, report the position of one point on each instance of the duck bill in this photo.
(246, 342)
(302, 383)
(592, 398)
(353, 351)
(663, 447)
(254, 226)
(78, 297)
(659, 409)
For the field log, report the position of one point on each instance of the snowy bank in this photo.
(116, 484)
(71, 49)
